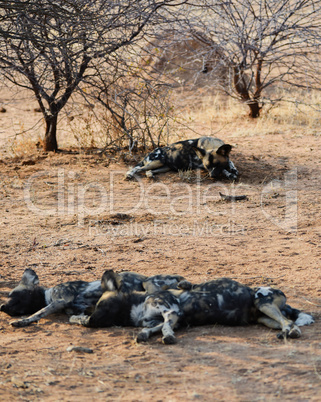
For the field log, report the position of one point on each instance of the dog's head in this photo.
(217, 161)
(161, 282)
(122, 282)
(26, 298)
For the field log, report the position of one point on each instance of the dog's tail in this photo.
(299, 318)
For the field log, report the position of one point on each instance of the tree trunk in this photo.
(50, 140)
(255, 109)
(241, 87)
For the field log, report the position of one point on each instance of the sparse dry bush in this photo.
(135, 108)
(140, 112)
(22, 146)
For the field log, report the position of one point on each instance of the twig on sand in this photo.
(232, 198)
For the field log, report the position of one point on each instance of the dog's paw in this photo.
(232, 177)
(149, 174)
(19, 323)
(79, 319)
(142, 337)
(292, 332)
(169, 340)
(129, 176)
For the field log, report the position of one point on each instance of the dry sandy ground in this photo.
(71, 216)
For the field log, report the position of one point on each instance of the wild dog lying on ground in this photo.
(201, 153)
(223, 301)
(123, 282)
(75, 297)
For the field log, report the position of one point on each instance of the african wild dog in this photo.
(223, 301)
(117, 305)
(28, 297)
(202, 153)
(113, 281)
(75, 297)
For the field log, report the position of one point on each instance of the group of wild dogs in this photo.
(160, 303)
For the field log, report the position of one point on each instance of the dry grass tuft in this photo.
(222, 116)
(24, 145)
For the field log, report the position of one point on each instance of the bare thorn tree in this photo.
(50, 47)
(263, 43)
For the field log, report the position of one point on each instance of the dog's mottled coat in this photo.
(206, 153)
(75, 297)
(223, 301)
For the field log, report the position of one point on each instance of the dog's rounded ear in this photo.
(149, 286)
(200, 152)
(109, 281)
(29, 278)
(224, 150)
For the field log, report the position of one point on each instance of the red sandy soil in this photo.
(71, 216)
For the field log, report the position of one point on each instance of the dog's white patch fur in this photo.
(93, 286)
(137, 312)
(185, 296)
(264, 291)
(48, 293)
(167, 282)
(220, 300)
(144, 311)
(109, 285)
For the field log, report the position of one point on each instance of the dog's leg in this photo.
(144, 166)
(167, 328)
(300, 320)
(146, 333)
(269, 322)
(53, 307)
(232, 169)
(270, 302)
(152, 167)
(170, 321)
(231, 173)
(228, 175)
(80, 319)
(164, 169)
(289, 329)
(163, 304)
(132, 172)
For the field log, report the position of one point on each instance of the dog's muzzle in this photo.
(228, 170)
